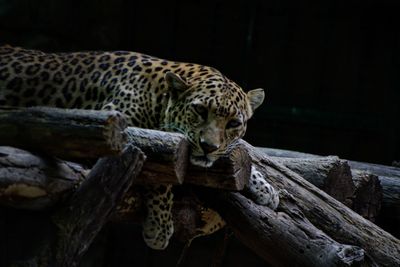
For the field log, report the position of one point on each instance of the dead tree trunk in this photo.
(70, 134)
(359, 190)
(167, 155)
(324, 212)
(28, 181)
(286, 237)
(389, 177)
(330, 174)
(367, 195)
(81, 217)
(309, 223)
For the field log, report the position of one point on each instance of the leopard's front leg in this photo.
(158, 225)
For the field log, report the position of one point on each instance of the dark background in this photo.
(330, 70)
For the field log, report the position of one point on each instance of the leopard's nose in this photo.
(207, 147)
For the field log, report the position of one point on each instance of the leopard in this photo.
(198, 101)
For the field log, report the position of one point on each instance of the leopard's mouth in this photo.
(204, 161)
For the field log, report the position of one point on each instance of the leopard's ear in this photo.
(256, 97)
(175, 82)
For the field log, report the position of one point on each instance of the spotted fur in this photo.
(196, 100)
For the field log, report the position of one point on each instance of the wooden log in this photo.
(358, 190)
(167, 155)
(92, 204)
(68, 134)
(28, 181)
(377, 169)
(389, 217)
(87, 134)
(62, 240)
(231, 171)
(283, 238)
(326, 213)
(167, 162)
(389, 177)
(307, 222)
(367, 195)
(329, 174)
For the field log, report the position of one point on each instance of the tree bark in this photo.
(33, 182)
(326, 213)
(69, 134)
(91, 205)
(367, 195)
(166, 153)
(231, 171)
(389, 217)
(329, 174)
(377, 169)
(283, 238)
(303, 208)
(389, 177)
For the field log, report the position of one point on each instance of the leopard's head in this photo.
(211, 111)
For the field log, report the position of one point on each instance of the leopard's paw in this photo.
(261, 191)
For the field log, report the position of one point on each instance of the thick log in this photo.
(167, 155)
(87, 134)
(377, 169)
(92, 204)
(359, 190)
(389, 177)
(167, 162)
(28, 181)
(326, 213)
(330, 174)
(389, 217)
(59, 237)
(231, 171)
(68, 134)
(367, 195)
(309, 223)
(284, 238)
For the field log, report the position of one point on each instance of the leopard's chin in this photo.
(202, 161)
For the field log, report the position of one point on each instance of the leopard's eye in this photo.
(233, 124)
(201, 110)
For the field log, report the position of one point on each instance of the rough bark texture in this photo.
(167, 155)
(284, 238)
(330, 174)
(367, 195)
(327, 214)
(33, 182)
(70, 134)
(231, 171)
(61, 236)
(389, 177)
(309, 223)
(389, 217)
(92, 204)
